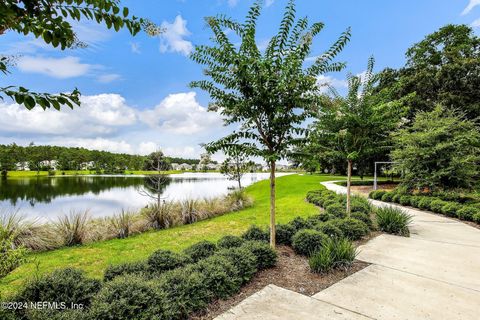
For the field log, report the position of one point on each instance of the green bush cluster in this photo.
(200, 250)
(452, 204)
(229, 241)
(334, 254)
(393, 220)
(256, 233)
(308, 241)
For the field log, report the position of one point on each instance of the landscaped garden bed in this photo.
(455, 205)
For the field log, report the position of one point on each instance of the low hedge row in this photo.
(364, 182)
(468, 210)
(167, 285)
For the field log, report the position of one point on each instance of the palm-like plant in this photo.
(268, 94)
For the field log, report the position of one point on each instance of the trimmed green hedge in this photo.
(464, 207)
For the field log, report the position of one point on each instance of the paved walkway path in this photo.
(434, 274)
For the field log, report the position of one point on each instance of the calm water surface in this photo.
(48, 197)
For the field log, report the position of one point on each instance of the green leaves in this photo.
(30, 100)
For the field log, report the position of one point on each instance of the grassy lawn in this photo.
(95, 257)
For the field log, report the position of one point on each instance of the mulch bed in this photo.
(291, 272)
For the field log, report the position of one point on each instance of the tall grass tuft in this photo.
(336, 253)
(72, 228)
(122, 224)
(189, 211)
(238, 199)
(393, 220)
(159, 216)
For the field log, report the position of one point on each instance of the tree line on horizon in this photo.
(41, 157)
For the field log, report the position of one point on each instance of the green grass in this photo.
(95, 257)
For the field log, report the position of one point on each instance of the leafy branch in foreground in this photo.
(51, 21)
(268, 94)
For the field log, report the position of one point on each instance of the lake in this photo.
(48, 197)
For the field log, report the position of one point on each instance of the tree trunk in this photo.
(349, 185)
(272, 204)
(239, 184)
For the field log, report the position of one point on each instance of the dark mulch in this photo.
(291, 272)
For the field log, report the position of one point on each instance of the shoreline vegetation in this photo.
(95, 257)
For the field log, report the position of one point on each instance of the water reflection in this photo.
(48, 197)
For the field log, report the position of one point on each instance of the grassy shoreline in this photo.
(95, 257)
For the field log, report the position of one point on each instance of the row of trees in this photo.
(38, 158)
(269, 94)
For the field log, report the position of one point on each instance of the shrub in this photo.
(396, 197)
(10, 256)
(159, 216)
(329, 202)
(425, 202)
(113, 271)
(266, 257)
(230, 242)
(284, 233)
(393, 220)
(352, 228)
(184, 291)
(66, 285)
(364, 218)
(335, 253)
(387, 197)
(221, 276)
(336, 210)
(476, 218)
(200, 250)
(436, 205)
(164, 260)
(316, 218)
(330, 228)
(450, 209)
(414, 200)
(467, 212)
(405, 200)
(125, 298)
(307, 241)
(244, 261)
(256, 233)
(360, 204)
(377, 194)
(299, 223)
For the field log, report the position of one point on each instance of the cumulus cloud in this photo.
(62, 68)
(471, 5)
(232, 3)
(96, 144)
(268, 3)
(98, 115)
(325, 81)
(172, 40)
(180, 113)
(135, 47)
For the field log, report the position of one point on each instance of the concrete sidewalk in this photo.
(434, 274)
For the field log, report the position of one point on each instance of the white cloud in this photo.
(96, 144)
(232, 3)
(180, 113)
(183, 152)
(471, 5)
(172, 40)
(268, 3)
(147, 147)
(62, 68)
(98, 115)
(325, 81)
(135, 47)
(476, 24)
(109, 77)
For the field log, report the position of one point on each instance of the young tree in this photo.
(156, 184)
(51, 21)
(235, 166)
(356, 126)
(205, 160)
(267, 93)
(441, 150)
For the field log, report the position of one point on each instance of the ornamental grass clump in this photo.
(122, 224)
(393, 220)
(72, 228)
(160, 216)
(336, 253)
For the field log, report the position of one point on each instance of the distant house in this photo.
(185, 166)
(51, 164)
(175, 166)
(213, 166)
(22, 166)
(87, 165)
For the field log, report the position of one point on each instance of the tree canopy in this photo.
(51, 21)
(440, 150)
(444, 68)
(267, 94)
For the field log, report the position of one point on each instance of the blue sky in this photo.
(136, 94)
